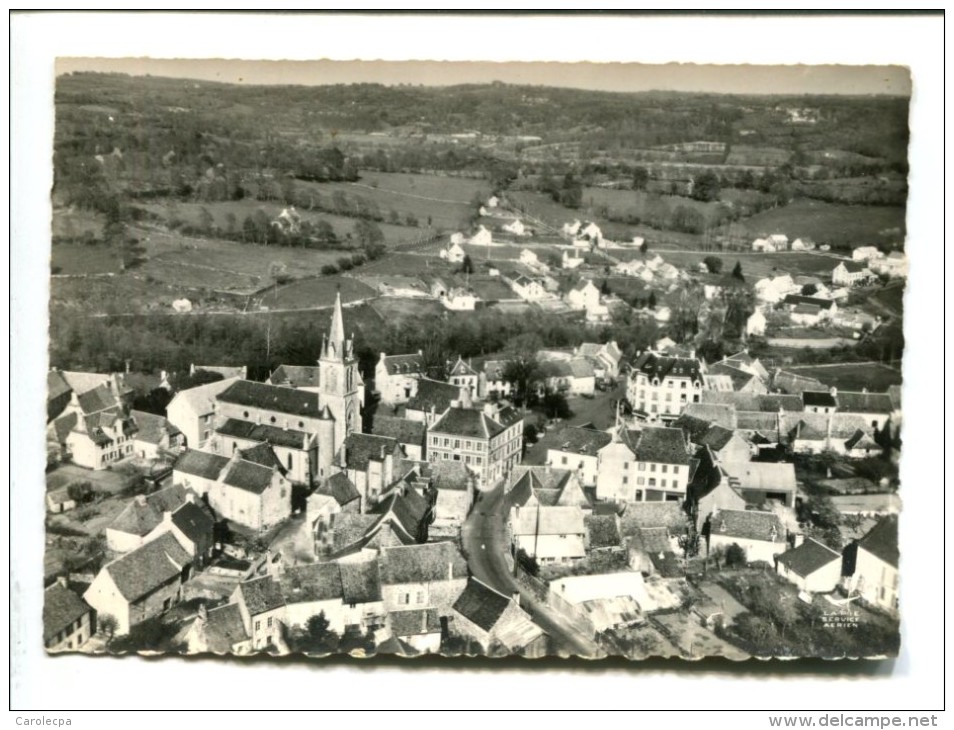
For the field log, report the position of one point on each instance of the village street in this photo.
(485, 545)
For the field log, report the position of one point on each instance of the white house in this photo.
(660, 385)
(894, 265)
(876, 567)
(649, 465)
(812, 567)
(396, 376)
(577, 449)
(516, 227)
(529, 258)
(866, 253)
(760, 534)
(550, 534)
(755, 324)
(482, 237)
(634, 268)
(459, 299)
(585, 297)
(530, 290)
(571, 229)
(571, 260)
(772, 289)
(850, 273)
(454, 253)
(193, 410)
(764, 245)
(67, 618)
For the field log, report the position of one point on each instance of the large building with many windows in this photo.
(487, 440)
(660, 386)
(648, 465)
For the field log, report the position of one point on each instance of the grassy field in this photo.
(444, 201)
(320, 292)
(757, 265)
(342, 225)
(223, 265)
(70, 223)
(631, 202)
(395, 308)
(876, 377)
(836, 225)
(78, 258)
(116, 294)
(408, 263)
(891, 298)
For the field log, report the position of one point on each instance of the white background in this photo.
(44, 685)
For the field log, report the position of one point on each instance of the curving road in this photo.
(484, 537)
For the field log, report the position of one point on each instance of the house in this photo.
(876, 566)
(455, 487)
(543, 485)
(420, 629)
(779, 241)
(608, 600)
(293, 449)
(302, 377)
(634, 268)
(806, 315)
(218, 631)
(482, 237)
(826, 308)
(755, 324)
(495, 620)
(850, 273)
(262, 607)
(865, 253)
(867, 505)
(651, 532)
(571, 260)
(192, 411)
(454, 253)
(62, 384)
(141, 584)
(573, 377)
(489, 441)
(760, 534)
(154, 436)
(529, 289)
(764, 245)
(602, 532)
(876, 408)
(577, 449)
(726, 444)
(803, 244)
(459, 299)
(463, 375)
(812, 567)
(549, 534)
(609, 356)
(773, 289)
(409, 434)
(250, 494)
(529, 258)
(759, 481)
(516, 227)
(660, 386)
(492, 382)
(198, 470)
(429, 576)
(710, 490)
(94, 428)
(312, 589)
(587, 298)
(431, 401)
(794, 384)
(335, 494)
(571, 229)
(143, 514)
(728, 375)
(894, 265)
(369, 463)
(68, 621)
(396, 376)
(647, 465)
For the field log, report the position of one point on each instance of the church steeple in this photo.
(336, 337)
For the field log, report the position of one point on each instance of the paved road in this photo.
(488, 555)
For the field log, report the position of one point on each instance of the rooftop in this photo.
(882, 540)
(261, 595)
(148, 567)
(272, 398)
(427, 563)
(296, 376)
(748, 525)
(481, 605)
(808, 557)
(61, 608)
(201, 464)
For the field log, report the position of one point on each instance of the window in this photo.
(456, 443)
(272, 419)
(301, 424)
(665, 468)
(640, 480)
(244, 414)
(668, 397)
(477, 460)
(289, 464)
(682, 384)
(269, 622)
(664, 482)
(563, 461)
(652, 467)
(639, 495)
(258, 625)
(625, 480)
(625, 465)
(675, 470)
(652, 482)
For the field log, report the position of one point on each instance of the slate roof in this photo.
(715, 410)
(273, 398)
(662, 366)
(740, 378)
(362, 448)
(800, 300)
(716, 438)
(313, 582)
(296, 376)
(757, 421)
(140, 517)
(557, 520)
(248, 477)
(894, 393)
(287, 437)
(340, 488)
(427, 563)
(360, 582)
(654, 541)
(81, 382)
(200, 399)
(546, 483)
(414, 622)
(261, 595)
(603, 530)
(433, 393)
(98, 399)
(404, 364)
(450, 476)
(195, 524)
(400, 429)
(409, 510)
(494, 369)
(579, 440)
(148, 567)
(224, 628)
(350, 530)
(63, 426)
(846, 425)
(469, 423)
(854, 267)
(820, 399)
(226, 371)
(652, 514)
(481, 605)
(794, 383)
(661, 445)
(769, 476)
(263, 455)
(201, 464)
(748, 525)
(860, 440)
(772, 402)
(462, 368)
(852, 402)
(882, 540)
(808, 557)
(152, 428)
(61, 608)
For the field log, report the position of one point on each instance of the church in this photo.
(304, 427)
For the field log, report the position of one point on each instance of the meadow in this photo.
(312, 293)
(79, 258)
(876, 377)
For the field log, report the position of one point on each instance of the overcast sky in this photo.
(828, 79)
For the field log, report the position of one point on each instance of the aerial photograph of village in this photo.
(474, 369)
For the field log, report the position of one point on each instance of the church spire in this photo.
(336, 337)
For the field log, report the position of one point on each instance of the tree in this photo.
(737, 271)
(467, 266)
(734, 556)
(713, 263)
(107, 624)
(80, 492)
(523, 369)
(652, 300)
(644, 247)
(640, 178)
(605, 288)
(706, 187)
(809, 290)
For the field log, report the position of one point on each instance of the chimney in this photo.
(190, 497)
(515, 597)
(127, 366)
(465, 400)
(61, 580)
(141, 500)
(450, 570)
(342, 457)
(203, 613)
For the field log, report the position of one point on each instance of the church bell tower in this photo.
(339, 380)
